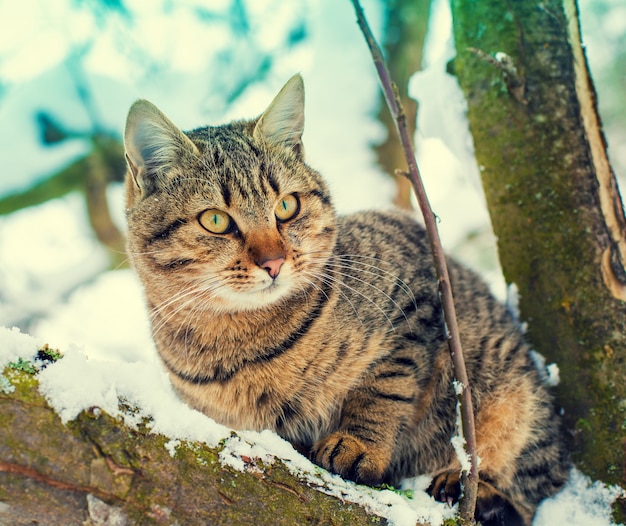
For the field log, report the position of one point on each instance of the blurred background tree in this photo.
(406, 24)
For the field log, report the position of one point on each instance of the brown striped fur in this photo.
(326, 329)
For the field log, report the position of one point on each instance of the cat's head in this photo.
(228, 216)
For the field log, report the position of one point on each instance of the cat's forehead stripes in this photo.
(248, 177)
(241, 166)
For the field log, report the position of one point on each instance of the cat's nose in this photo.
(272, 266)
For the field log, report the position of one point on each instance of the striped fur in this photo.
(326, 329)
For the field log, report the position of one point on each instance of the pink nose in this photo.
(272, 266)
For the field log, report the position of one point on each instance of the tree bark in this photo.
(98, 471)
(554, 205)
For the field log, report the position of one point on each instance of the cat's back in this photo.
(387, 249)
(390, 234)
(385, 270)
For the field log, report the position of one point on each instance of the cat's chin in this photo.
(237, 301)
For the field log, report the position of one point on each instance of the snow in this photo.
(53, 278)
(458, 441)
(582, 502)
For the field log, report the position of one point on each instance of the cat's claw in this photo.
(348, 456)
(493, 508)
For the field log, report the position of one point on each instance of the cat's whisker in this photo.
(330, 278)
(191, 289)
(347, 261)
(304, 291)
(164, 320)
(189, 294)
(374, 287)
(386, 276)
(324, 278)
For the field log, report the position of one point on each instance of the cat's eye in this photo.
(287, 207)
(216, 221)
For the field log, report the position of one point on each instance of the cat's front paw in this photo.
(446, 487)
(493, 507)
(348, 456)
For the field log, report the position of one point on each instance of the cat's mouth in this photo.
(262, 295)
(275, 287)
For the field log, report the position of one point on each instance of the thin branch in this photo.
(515, 83)
(467, 504)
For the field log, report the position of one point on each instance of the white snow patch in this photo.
(172, 446)
(15, 345)
(554, 377)
(512, 300)
(459, 444)
(549, 373)
(581, 503)
(458, 441)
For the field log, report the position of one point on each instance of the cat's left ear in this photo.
(282, 123)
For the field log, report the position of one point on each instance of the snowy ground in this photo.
(52, 282)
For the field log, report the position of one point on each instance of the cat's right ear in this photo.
(153, 145)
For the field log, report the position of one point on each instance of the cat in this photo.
(271, 312)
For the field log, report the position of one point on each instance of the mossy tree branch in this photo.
(555, 208)
(96, 468)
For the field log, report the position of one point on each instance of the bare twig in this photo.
(467, 504)
(515, 83)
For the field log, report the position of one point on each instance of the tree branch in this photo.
(96, 467)
(467, 503)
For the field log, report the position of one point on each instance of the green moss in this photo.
(23, 381)
(619, 511)
(21, 373)
(47, 355)
(23, 365)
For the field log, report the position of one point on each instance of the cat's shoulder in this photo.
(384, 218)
(380, 231)
(392, 223)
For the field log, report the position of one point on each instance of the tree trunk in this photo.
(97, 471)
(554, 205)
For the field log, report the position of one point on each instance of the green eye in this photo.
(216, 221)
(287, 207)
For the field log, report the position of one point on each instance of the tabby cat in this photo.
(270, 312)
